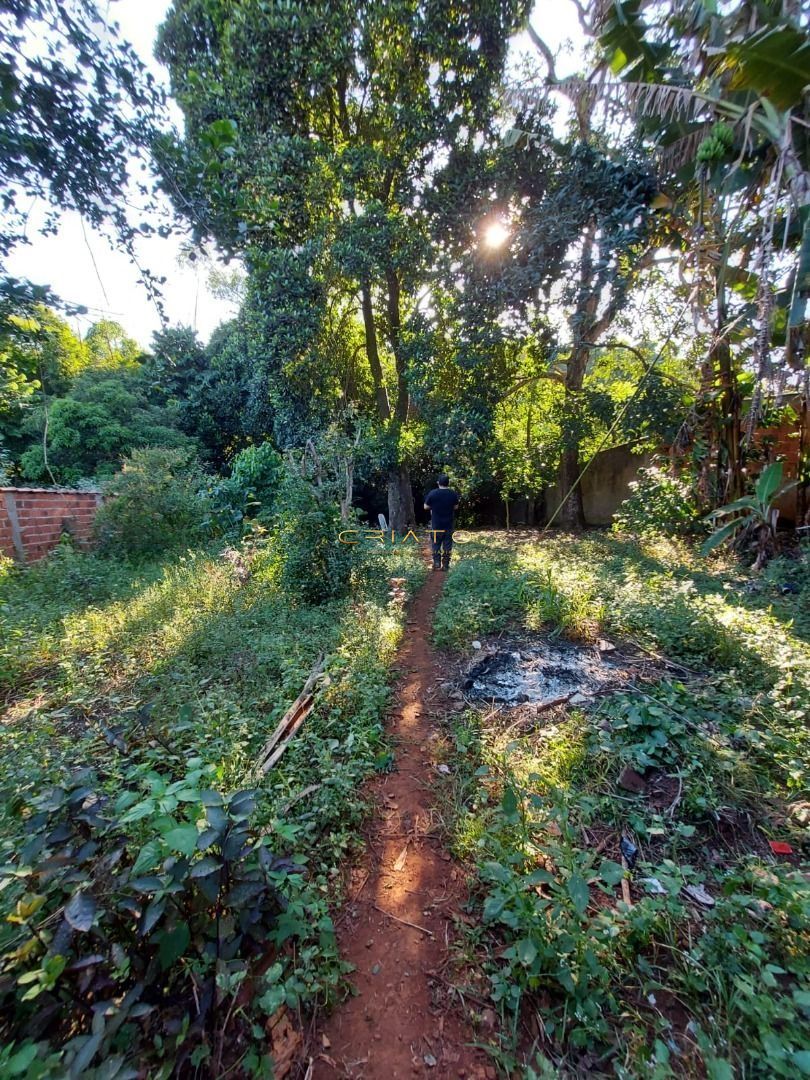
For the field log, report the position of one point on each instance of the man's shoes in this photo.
(437, 567)
(445, 568)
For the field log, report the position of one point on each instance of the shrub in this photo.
(155, 901)
(6, 465)
(250, 490)
(659, 503)
(160, 502)
(315, 566)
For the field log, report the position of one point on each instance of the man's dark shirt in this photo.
(442, 503)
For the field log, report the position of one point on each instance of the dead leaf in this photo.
(285, 1040)
(401, 858)
(699, 895)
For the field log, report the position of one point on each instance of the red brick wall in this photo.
(33, 519)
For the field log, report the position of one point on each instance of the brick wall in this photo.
(33, 519)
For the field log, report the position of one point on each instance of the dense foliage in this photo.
(316, 172)
(171, 870)
(439, 261)
(663, 985)
(77, 101)
(159, 501)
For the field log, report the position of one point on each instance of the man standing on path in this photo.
(441, 502)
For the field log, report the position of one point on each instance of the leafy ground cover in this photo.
(159, 902)
(651, 933)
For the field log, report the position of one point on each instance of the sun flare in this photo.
(496, 234)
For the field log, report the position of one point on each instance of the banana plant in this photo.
(754, 515)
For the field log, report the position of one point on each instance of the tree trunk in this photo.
(572, 512)
(394, 332)
(380, 394)
(401, 516)
(801, 471)
(731, 401)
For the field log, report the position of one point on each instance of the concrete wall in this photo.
(33, 519)
(605, 485)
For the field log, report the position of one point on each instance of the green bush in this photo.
(159, 502)
(161, 893)
(250, 490)
(6, 465)
(314, 565)
(107, 414)
(659, 503)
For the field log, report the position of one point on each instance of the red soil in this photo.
(399, 1024)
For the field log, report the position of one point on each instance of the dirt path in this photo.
(399, 1024)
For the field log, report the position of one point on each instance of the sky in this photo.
(80, 265)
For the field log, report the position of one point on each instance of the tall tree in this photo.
(720, 92)
(75, 104)
(314, 129)
(573, 230)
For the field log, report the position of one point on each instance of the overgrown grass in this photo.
(663, 986)
(153, 684)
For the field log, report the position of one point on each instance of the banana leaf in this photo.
(720, 535)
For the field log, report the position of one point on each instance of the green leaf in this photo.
(801, 1059)
(526, 951)
(80, 911)
(611, 872)
(495, 871)
(539, 877)
(148, 884)
(173, 943)
(139, 811)
(207, 865)
(147, 857)
(18, 1064)
(151, 915)
(745, 503)
(718, 1069)
(720, 535)
(183, 838)
(493, 907)
(579, 892)
(768, 483)
(774, 62)
(509, 802)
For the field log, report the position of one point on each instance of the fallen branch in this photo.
(301, 795)
(459, 989)
(552, 703)
(290, 722)
(396, 918)
(662, 659)
(626, 884)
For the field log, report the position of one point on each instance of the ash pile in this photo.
(541, 671)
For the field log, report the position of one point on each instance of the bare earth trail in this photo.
(399, 1024)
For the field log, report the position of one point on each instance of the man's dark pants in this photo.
(442, 546)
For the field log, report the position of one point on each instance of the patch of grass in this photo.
(664, 985)
(144, 687)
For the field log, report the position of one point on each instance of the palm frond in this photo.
(774, 62)
(681, 152)
(640, 98)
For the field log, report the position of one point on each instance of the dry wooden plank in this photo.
(303, 712)
(290, 721)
